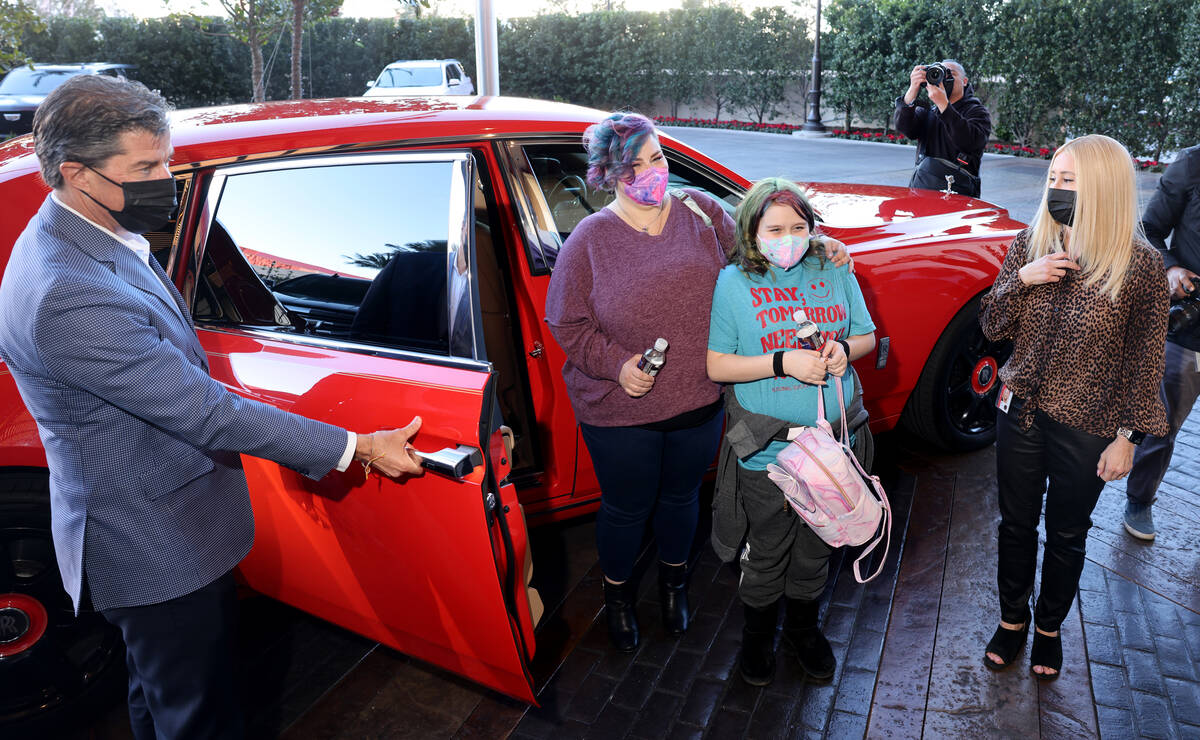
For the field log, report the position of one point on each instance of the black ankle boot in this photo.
(622, 620)
(672, 594)
(758, 644)
(802, 633)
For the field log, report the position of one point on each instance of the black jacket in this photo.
(1174, 211)
(962, 130)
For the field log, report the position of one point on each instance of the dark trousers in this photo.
(1180, 389)
(180, 653)
(646, 474)
(782, 556)
(1025, 460)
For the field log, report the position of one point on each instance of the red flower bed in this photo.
(1017, 150)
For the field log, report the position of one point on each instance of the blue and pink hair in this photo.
(612, 145)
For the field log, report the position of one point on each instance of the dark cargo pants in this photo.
(782, 556)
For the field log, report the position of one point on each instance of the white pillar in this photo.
(487, 59)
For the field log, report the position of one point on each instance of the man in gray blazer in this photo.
(149, 506)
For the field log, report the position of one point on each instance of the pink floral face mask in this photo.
(649, 187)
(784, 251)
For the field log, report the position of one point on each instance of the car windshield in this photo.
(26, 81)
(410, 77)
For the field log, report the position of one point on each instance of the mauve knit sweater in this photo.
(615, 290)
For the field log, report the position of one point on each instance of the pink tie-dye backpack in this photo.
(828, 488)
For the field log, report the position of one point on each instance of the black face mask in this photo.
(1061, 204)
(149, 204)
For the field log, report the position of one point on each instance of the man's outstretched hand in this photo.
(389, 452)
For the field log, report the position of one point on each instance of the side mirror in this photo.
(370, 83)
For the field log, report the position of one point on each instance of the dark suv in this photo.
(24, 87)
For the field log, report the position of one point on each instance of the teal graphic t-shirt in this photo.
(752, 315)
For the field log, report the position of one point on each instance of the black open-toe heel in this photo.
(1046, 652)
(1006, 644)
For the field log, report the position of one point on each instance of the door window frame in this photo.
(460, 235)
(532, 206)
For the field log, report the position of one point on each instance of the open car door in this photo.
(341, 288)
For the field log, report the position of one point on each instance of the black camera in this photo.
(1185, 313)
(939, 74)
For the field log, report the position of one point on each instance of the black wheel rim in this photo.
(973, 383)
(70, 656)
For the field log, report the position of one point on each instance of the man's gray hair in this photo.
(82, 121)
(955, 63)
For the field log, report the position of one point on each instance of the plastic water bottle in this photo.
(653, 358)
(808, 334)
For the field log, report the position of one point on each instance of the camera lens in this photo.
(934, 74)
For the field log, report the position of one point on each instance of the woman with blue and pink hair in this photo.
(642, 268)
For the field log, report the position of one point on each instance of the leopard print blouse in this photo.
(1088, 362)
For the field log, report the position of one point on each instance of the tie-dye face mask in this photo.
(784, 251)
(649, 187)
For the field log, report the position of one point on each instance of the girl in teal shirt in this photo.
(775, 271)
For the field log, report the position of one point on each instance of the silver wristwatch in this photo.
(1129, 434)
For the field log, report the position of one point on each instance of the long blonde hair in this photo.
(1106, 219)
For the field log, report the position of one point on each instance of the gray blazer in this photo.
(147, 493)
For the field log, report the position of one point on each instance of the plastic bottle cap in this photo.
(799, 315)
(660, 344)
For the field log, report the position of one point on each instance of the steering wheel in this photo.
(570, 186)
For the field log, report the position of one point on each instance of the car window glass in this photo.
(411, 77)
(26, 81)
(356, 251)
(559, 196)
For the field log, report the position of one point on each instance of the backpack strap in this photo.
(885, 533)
(682, 195)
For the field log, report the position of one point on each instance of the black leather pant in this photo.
(1025, 459)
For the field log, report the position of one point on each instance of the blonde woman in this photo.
(1084, 299)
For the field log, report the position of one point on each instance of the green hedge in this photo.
(605, 59)
(1047, 69)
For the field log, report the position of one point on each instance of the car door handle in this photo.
(456, 462)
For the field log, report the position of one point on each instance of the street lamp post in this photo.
(812, 125)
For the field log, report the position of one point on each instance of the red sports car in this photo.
(362, 261)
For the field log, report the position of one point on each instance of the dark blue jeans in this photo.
(646, 474)
(1179, 391)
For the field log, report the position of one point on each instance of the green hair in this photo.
(749, 213)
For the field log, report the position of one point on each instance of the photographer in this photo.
(1175, 208)
(951, 131)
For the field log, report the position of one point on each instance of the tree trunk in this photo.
(258, 94)
(297, 38)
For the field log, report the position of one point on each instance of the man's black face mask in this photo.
(149, 204)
